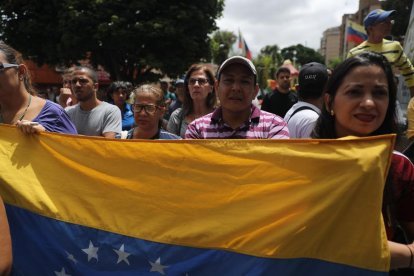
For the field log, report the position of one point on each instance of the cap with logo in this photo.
(312, 77)
(236, 60)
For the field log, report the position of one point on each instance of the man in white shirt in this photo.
(302, 116)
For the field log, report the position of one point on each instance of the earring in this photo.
(332, 112)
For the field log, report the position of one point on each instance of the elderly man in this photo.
(378, 24)
(91, 116)
(237, 117)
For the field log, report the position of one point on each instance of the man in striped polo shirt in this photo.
(237, 117)
(378, 24)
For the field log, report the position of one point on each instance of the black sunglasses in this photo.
(7, 65)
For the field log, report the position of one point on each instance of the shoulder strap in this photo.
(181, 118)
(305, 107)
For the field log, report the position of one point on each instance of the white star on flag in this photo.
(71, 257)
(122, 255)
(91, 251)
(61, 273)
(158, 267)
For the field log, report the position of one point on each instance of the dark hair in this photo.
(211, 99)
(91, 72)
(325, 126)
(115, 86)
(15, 57)
(282, 70)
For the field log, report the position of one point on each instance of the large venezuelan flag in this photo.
(355, 33)
(90, 206)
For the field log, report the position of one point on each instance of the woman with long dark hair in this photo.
(199, 99)
(360, 101)
(19, 104)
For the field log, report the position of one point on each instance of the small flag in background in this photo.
(355, 33)
(245, 49)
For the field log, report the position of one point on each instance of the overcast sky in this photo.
(283, 22)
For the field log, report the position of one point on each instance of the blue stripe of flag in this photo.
(44, 246)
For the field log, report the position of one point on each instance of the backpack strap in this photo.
(305, 107)
(181, 116)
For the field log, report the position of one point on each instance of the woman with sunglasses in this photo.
(19, 104)
(360, 101)
(199, 99)
(149, 108)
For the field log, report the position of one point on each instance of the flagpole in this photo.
(345, 48)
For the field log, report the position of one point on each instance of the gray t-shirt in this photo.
(102, 119)
(177, 124)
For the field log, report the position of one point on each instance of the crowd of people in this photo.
(357, 98)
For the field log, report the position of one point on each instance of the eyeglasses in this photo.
(201, 81)
(149, 108)
(4, 66)
(74, 81)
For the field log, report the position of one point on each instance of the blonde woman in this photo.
(149, 108)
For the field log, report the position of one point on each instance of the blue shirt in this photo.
(127, 117)
(55, 119)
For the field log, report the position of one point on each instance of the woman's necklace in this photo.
(23, 114)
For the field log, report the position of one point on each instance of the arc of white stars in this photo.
(122, 255)
(61, 273)
(158, 267)
(71, 257)
(91, 251)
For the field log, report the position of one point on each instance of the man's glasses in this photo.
(149, 108)
(4, 66)
(201, 81)
(74, 81)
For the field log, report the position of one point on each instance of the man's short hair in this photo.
(89, 71)
(282, 70)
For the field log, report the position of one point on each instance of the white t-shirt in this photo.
(302, 123)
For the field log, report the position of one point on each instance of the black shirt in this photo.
(279, 103)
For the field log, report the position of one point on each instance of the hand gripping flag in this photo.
(90, 206)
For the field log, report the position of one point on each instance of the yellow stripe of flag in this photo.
(267, 198)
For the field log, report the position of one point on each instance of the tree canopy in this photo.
(221, 44)
(271, 57)
(129, 38)
(303, 54)
(403, 10)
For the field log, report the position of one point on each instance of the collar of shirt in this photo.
(217, 116)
